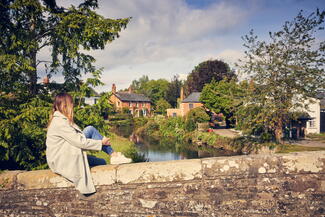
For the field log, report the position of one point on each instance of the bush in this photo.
(161, 106)
(23, 130)
(196, 115)
(23, 134)
(140, 121)
(173, 128)
(125, 110)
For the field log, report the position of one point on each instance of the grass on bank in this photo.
(287, 148)
(119, 144)
(248, 144)
(317, 137)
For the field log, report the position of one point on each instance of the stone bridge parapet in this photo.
(255, 185)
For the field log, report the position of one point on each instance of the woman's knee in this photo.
(89, 129)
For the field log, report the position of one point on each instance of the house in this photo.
(316, 111)
(91, 100)
(190, 102)
(137, 104)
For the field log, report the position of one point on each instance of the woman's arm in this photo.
(78, 139)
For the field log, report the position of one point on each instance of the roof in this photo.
(193, 97)
(132, 97)
(322, 102)
(321, 97)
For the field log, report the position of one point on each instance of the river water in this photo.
(165, 150)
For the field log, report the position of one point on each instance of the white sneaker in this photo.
(119, 158)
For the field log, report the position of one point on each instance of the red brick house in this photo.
(138, 104)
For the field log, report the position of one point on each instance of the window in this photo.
(312, 124)
(191, 105)
(174, 114)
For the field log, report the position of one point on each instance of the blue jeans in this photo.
(92, 133)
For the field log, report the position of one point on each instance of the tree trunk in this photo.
(279, 132)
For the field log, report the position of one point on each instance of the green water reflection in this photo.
(166, 149)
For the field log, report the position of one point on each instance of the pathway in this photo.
(226, 133)
(309, 143)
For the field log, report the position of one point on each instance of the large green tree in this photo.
(27, 26)
(205, 72)
(161, 106)
(154, 89)
(285, 71)
(223, 97)
(138, 86)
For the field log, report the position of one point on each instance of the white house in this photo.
(317, 114)
(91, 100)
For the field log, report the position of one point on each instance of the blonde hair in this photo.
(63, 103)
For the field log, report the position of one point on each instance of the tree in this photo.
(173, 91)
(27, 26)
(161, 106)
(194, 116)
(205, 72)
(138, 85)
(223, 97)
(285, 71)
(154, 89)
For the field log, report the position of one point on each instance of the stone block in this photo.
(104, 175)
(251, 166)
(303, 162)
(41, 179)
(168, 171)
(7, 179)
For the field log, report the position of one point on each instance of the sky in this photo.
(170, 37)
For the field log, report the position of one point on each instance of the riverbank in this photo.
(175, 129)
(121, 144)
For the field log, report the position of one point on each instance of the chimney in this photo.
(113, 88)
(130, 90)
(182, 94)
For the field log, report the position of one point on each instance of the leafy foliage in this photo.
(154, 89)
(285, 72)
(161, 106)
(173, 91)
(23, 133)
(194, 116)
(223, 97)
(205, 72)
(27, 27)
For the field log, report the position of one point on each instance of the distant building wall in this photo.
(134, 107)
(183, 110)
(186, 107)
(91, 100)
(313, 126)
(174, 113)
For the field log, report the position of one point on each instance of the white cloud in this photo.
(165, 38)
(230, 56)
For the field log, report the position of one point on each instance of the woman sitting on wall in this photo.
(66, 146)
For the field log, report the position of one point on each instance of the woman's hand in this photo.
(105, 141)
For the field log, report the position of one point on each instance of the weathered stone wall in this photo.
(257, 185)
